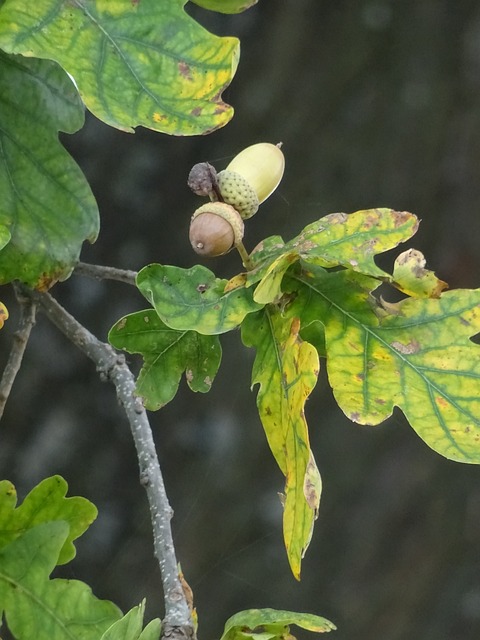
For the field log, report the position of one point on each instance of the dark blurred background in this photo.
(377, 103)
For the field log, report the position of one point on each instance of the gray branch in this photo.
(105, 273)
(111, 365)
(20, 340)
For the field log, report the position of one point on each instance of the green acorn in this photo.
(251, 177)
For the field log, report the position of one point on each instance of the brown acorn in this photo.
(215, 229)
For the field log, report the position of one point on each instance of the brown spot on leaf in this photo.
(196, 112)
(400, 217)
(369, 246)
(337, 218)
(47, 280)
(441, 402)
(201, 288)
(185, 70)
(221, 108)
(295, 327)
(305, 246)
(407, 349)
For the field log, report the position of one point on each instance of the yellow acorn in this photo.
(251, 177)
(215, 229)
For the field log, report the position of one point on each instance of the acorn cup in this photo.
(236, 193)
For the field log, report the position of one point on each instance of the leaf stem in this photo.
(177, 624)
(99, 272)
(20, 340)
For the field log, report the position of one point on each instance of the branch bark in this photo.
(20, 340)
(105, 273)
(177, 623)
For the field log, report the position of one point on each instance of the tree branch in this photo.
(111, 365)
(105, 273)
(20, 340)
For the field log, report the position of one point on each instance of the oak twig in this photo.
(20, 340)
(111, 365)
(105, 273)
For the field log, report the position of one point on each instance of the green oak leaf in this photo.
(226, 6)
(46, 502)
(152, 630)
(194, 299)
(269, 289)
(415, 354)
(286, 368)
(37, 607)
(47, 208)
(135, 63)
(272, 623)
(167, 354)
(130, 627)
(339, 239)
(270, 259)
(270, 247)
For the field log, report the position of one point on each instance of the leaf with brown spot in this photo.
(167, 354)
(194, 298)
(339, 239)
(286, 368)
(420, 358)
(411, 277)
(144, 64)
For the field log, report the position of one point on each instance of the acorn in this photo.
(251, 177)
(215, 229)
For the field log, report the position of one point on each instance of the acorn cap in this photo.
(236, 190)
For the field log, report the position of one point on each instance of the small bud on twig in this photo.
(202, 179)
